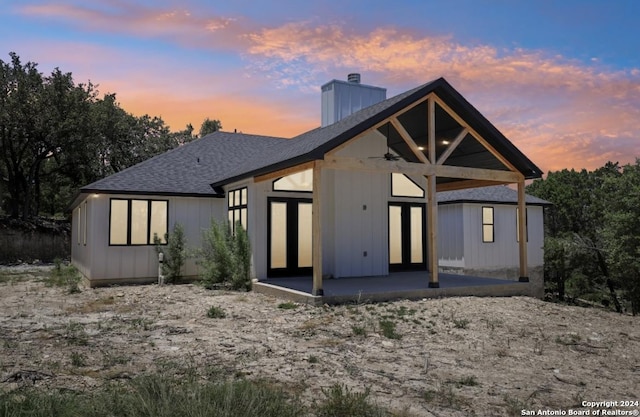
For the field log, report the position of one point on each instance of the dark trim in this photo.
(129, 206)
(407, 265)
(292, 268)
(502, 203)
(523, 279)
(150, 193)
(444, 91)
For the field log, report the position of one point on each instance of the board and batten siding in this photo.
(450, 235)
(102, 262)
(360, 213)
(503, 252)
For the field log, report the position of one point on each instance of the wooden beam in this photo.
(409, 140)
(377, 165)
(477, 174)
(284, 172)
(522, 231)
(418, 168)
(432, 229)
(316, 227)
(452, 146)
(431, 133)
(475, 134)
(466, 184)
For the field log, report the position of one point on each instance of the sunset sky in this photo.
(561, 79)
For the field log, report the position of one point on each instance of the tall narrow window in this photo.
(300, 181)
(84, 224)
(137, 222)
(487, 224)
(78, 223)
(526, 224)
(403, 186)
(238, 205)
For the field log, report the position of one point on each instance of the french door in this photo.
(407, 236)
(289, 237)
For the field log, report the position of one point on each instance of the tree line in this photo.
(592, 234)
(57, 135)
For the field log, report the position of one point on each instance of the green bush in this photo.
(226, 257)
(155, 396)
(215, 312)
(174, 252)
(64, 276)
(340, 401)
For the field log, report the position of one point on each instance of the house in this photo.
(355, 197)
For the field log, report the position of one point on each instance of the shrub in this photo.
(64, 276)
(215, 312)
(226, 257)
(174, 252)
(341, 401)
(388, 329)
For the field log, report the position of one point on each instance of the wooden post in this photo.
(432, 226)
(316, 219)
(522, 232)
(432, 199)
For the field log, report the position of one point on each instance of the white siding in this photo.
(139, 262)
(450, 235)
(361, 224)
(503, 252)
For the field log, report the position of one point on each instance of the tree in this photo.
(209, 126)
(592, 233)
(622, 232)
(40, 117)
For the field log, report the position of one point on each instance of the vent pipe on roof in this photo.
(354, 77)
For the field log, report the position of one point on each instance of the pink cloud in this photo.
(560, 112)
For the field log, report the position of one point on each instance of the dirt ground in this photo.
(445, 357)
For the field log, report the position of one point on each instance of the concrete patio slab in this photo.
(399, 285)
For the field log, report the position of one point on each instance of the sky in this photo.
(561, 79)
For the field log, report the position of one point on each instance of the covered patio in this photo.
(398, 285)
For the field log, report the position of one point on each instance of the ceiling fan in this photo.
(388, 155)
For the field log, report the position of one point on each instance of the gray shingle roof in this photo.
(188, 169)
(500, 194)
(228, 157)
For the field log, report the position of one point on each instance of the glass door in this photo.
(407, 236)
(289, 238)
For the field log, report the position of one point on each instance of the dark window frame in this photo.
(129, 205)
(236, 210)
(492, 224)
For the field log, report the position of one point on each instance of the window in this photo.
(138, 222)
(78, 223)
(487, 224)
(300, 181)
(238, 208)
(403, 186)
(526, 223)
(84, 224)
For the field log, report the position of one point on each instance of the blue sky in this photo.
(561, 79)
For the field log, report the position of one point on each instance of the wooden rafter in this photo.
(475, 134)
(452, 146)
(431, 133)
(408, 140)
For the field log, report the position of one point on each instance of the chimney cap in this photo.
(354, 77)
